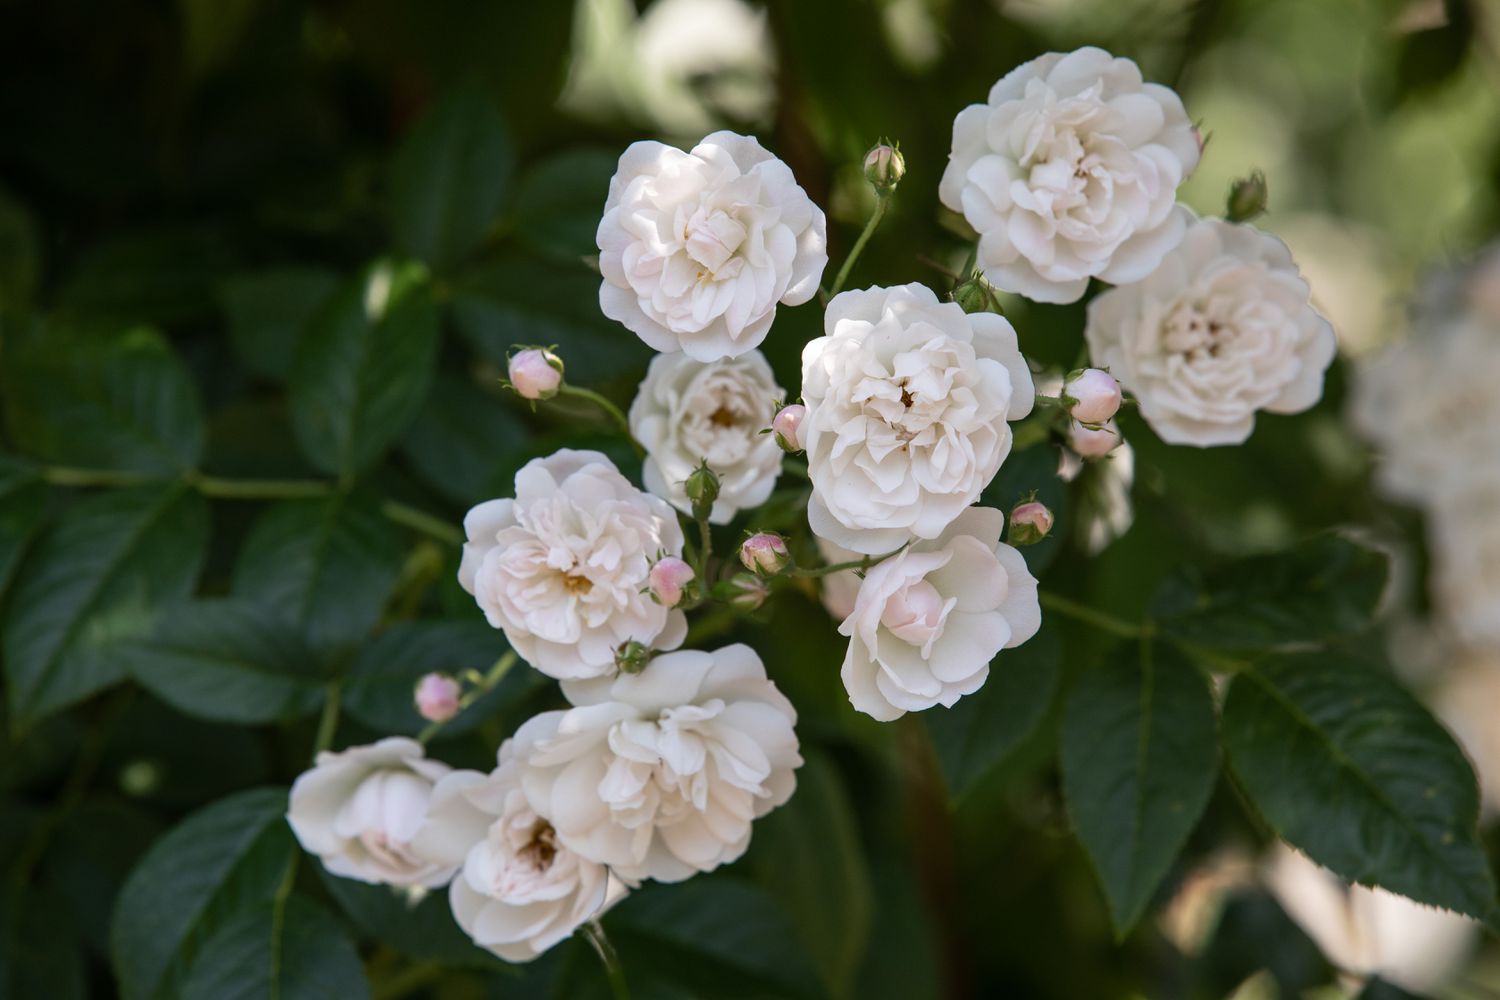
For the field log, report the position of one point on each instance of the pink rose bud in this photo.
(437, 697)
(1092, 395)
(785, 425)
(1029, 523)
(745, 591)
(536, 373)
(1090, 442)
(884, 167)
(765, 552)
(666, 580)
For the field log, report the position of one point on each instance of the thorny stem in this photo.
(882, 202)
(482, 686)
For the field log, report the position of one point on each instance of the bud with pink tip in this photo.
(884, 167)
(1094, 442)
(1029, 523)
(436, 696)
(785, 425)
(765, 552)
(536, 373)
(1092, 395)
(667, 579)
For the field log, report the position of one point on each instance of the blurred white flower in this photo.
(927, 621)
(359, 810)
(907, 400)
(838, 590)
(698, 248)
(661, 773)
(1070, 172)
(1468, 701)
(1103, 510)
(1221, 329)
(1370, 932)
(563, 568)
(687, 412)
(519, 891)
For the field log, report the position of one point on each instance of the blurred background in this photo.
(211, 168)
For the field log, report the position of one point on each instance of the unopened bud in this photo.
(745, 591)
(976, 295)
(667, 579)
(884, 167)
(1092, 396)
(632, 657)
(1247, 198)
(1093, 442)
(766, 553)
(536, 373)
(436, 696)
(787, 424)
(702, 490)
(1029, 523)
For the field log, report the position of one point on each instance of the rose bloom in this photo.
(519, 891)
(1070, 172)
(660, 774)
(563, 568)
(907, 402)
(689, 411)
(1223, 328)
(358, 810)
(697, 248)
(927, 621)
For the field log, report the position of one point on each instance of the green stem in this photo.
(705, 547)
(882, 202)
(1089, 616)
(408, 981)
(569, 389)
(606, 953)
(259, 489)
(854, 564)
(418, 520)
(481, 687)
(65, 476)
(328, 723)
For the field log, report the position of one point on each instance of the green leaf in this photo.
(1347, 766)
(40, 954)
(425, 931)
(1139, 759)
(227, 660)
(449, 178)
(363, 367)
(23, 497)
(218, 864)
(118, 402)
(98, 577)
(560, 200)
(1025, 471)
(268, 312)
(808, 854)
(982, 729)
(20, 257)
(1323, 589)
(466, 442)
(300, 954)
(378, 691)
(325, 566)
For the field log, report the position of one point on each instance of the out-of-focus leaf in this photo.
(23, 497)
(268, 311)
(325, 566)
(979, 731)
(39, 950)
(220, 863)
(465, 442)
(363, 367)
(809, 855)
(117, 402)
(165, 276)
(1348, 767)
(1320, 590)
(1139, 758)
(424, 931)
(20, 257)
(303, 955)
(89, 857)
(560, 199)
(379, 688)
(449, 178)
(228, 660)
(98, 577)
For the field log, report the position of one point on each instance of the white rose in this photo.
(907, 402)
(1070, 172)
(697, 248)
(563, 568)
(1221, 329)
(689, 411)
(927, 621)
(359, 809)
(660, 774)
(519, 891)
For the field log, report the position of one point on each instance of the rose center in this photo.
(724, 417)
(541, 849)
(577, 584)
(711, 238)
(914, 613)
(1194, 332)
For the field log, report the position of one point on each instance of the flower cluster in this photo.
(667, 756)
